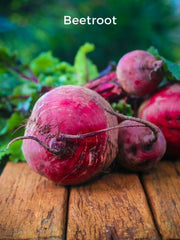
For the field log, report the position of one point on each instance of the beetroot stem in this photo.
(146, 123)
(32, 138)
(65, 136)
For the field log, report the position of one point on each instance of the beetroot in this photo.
(141, 144)
(137, 149)
(139, 72)
(163, 109)
(63, 139)
(72, 135)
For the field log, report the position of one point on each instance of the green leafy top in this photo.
(84, 67)
(171, 69)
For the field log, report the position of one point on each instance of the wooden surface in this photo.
(31, 207)
(114, 207)
(163, 190)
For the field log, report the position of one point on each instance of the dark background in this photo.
(30, 27)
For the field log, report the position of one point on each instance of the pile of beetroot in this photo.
(73, 133)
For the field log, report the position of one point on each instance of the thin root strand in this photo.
(63, 137)
(124, 117)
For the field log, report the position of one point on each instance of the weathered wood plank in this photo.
(31, 207)
(163, 189)
(113, 207)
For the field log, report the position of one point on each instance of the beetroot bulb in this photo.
(163, 109)
(139, 72)
(63, 139)
(72, 135)
(137, 150)
(141, 144)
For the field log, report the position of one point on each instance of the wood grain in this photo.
(163, 189)
(113, 207)
(31, 207)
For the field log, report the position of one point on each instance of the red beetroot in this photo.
(72, 136)
(163, 109)
(137, 149)
(139, 72)
(58, 143)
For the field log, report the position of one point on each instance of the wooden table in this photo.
(114, 207)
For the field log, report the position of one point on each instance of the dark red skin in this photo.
(70, 110)
(136, 150)
(139, 72)
(163, 109)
